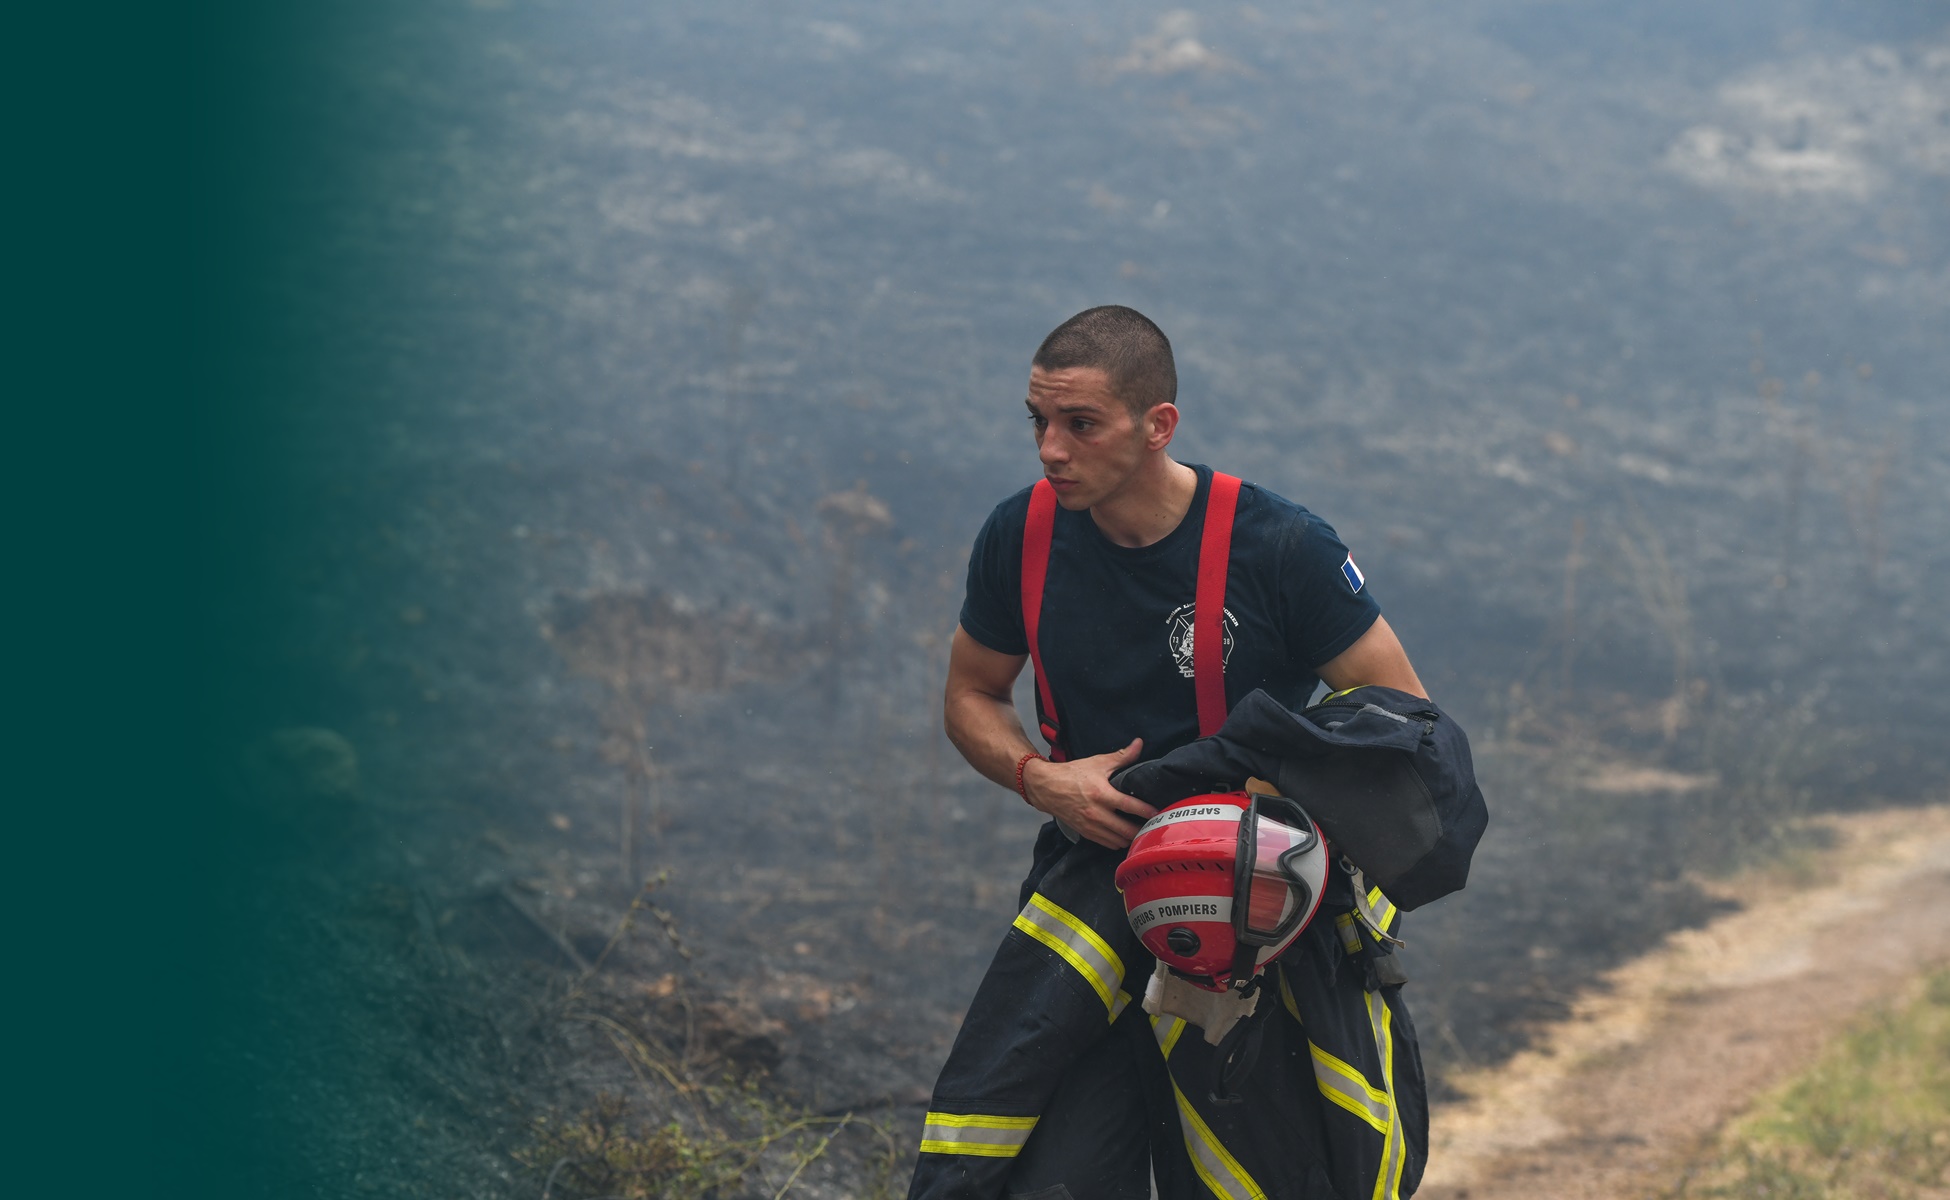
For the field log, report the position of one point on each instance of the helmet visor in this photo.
(1275, 896)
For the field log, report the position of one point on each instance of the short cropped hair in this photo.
(1125, 345)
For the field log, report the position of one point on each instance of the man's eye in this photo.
(1080, 426)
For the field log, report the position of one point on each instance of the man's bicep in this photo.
(991, 610)
(1376, 657)
(973, 667)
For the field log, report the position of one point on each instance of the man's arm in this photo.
(979, 714)
(1377, 658)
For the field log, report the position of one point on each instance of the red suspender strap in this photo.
(1208, 635)
(1037, 533)
(1208, 629)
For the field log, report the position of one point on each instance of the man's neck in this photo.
(1149, 505)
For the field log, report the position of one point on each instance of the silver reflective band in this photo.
(1229, 813)
(1221, 1173)
(975, 1133)
(1394, 1150)
(1344, 1085)
(1182, 908)
(1080, 946)
(1376, 911)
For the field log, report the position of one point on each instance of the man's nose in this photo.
(1052, 449)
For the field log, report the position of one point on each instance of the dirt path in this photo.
(1615, 1099)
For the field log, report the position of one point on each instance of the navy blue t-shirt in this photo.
(1117, 621)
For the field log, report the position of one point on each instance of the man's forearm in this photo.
(989, 734)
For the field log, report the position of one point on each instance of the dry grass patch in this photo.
(1870, 1121)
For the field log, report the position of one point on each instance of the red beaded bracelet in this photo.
(1020, 764)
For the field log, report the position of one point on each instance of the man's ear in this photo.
(1159, 425)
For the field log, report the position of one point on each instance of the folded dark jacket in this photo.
(1387, 776)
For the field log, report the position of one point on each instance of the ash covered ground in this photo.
(657, 365)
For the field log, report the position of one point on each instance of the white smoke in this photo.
(1845, 126)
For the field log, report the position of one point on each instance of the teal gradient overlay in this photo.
(117, 434)
(318, 301)
(284, 1045)
(248, 1045)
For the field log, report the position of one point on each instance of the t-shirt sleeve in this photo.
(991, 610)
(1324, 597)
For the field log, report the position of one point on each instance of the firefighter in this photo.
(1151, 595)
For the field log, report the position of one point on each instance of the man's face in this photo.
(1089, 442)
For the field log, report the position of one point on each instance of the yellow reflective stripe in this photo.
(934, 1146)
(975, 1133)
(1286, 998)
(1083, 932)
(1077, 944)
(1347, 1088)
(1218, 1168)
(1394, 1147)
(1167, 1031)
(1350, 936)
(1344, 691)
(1214, 1164)
(979, 1121)
(1383, 908)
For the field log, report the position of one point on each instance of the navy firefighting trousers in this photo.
(1059, 1080)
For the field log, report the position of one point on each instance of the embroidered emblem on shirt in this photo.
(1178, 627)
(1353, 574)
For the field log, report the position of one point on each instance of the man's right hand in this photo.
(1079, 794)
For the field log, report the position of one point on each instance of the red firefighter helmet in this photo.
(1218, 886)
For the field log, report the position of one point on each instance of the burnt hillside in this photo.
(638, 377)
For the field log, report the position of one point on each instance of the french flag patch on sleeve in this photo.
(1355, 579)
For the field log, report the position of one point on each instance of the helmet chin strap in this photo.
(1234, 1059)
(1245, 968)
